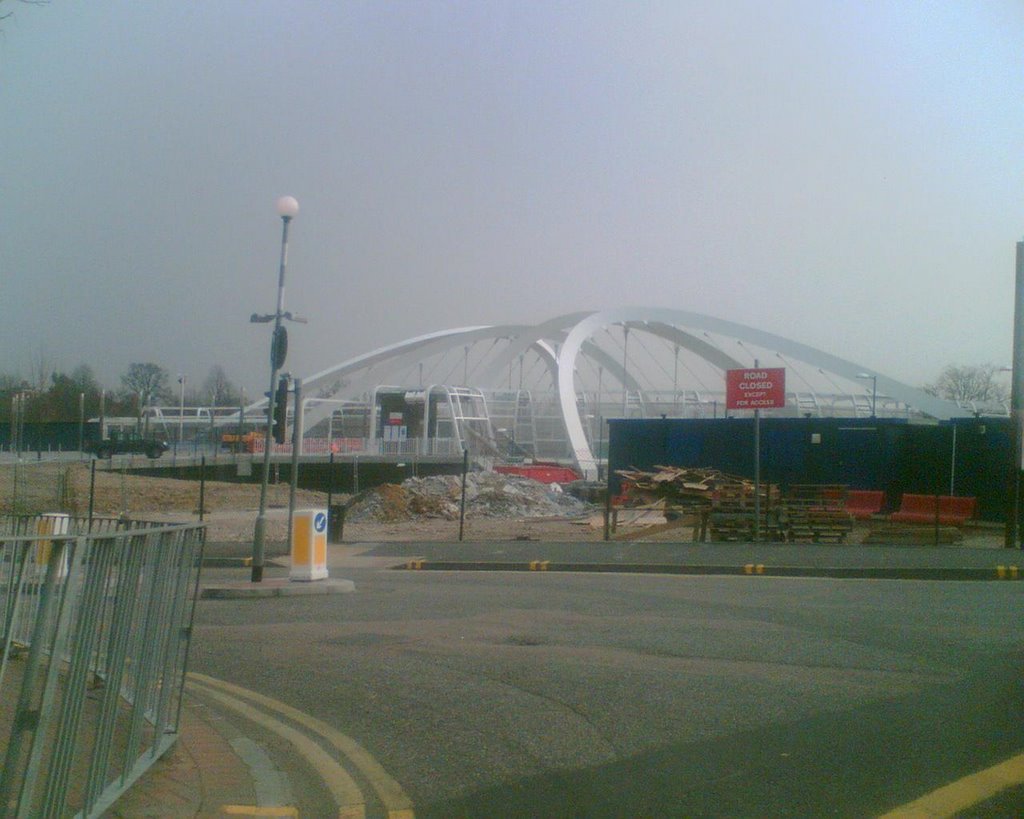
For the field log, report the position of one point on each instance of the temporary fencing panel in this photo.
(94, 645)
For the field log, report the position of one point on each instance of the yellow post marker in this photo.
(309, 545)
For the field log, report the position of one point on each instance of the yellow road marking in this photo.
(343, 787)
(253, 810)
(539, 565)
(962, 794)
(396, 802)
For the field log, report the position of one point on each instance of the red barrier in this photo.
(863, 503)
(952, 511)
(545, 473)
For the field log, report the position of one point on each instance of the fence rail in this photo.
(94, 633)
(61, 524)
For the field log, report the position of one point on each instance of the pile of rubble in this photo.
(488, 494)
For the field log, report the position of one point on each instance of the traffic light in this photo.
(280, 411)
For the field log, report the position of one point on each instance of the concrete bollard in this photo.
(309, 545)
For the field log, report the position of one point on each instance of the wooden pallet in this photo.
(816, 513)
(733, 510)
(724, 526)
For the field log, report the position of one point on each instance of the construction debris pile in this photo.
(671, 486)
(488, 494)
(724, 507)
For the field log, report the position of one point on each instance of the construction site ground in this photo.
(230, 510)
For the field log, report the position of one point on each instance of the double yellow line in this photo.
(958, 796)
(347, 795)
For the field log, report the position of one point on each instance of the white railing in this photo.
(368, 446)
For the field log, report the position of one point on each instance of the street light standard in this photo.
(181, 408)
(287, 208)
(874, 389)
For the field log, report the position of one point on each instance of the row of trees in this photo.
(49, 395)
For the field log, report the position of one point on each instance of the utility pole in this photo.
(1013, 510)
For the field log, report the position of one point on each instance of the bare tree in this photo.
(970, 383)
(84, 378)
(219, 389)
(41, 370)
(147, 382)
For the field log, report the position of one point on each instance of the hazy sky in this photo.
(847, 174)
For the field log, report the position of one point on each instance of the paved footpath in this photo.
(200, 776)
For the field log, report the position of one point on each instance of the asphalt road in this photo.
(535, 694)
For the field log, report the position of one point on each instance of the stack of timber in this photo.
(671, 487)
(816, 513)
(721, 505)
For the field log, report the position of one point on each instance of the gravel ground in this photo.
(230, 511)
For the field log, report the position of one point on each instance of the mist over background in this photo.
(845, 174)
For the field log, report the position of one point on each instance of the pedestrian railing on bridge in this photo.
(94, 632)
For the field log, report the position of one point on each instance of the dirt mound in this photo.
(488, 495)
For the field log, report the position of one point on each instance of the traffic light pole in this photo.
(260, 533)
(296, 446)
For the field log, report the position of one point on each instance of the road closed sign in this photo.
(756, 388)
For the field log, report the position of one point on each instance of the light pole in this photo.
(874, 389)
(181, 407)
(1013, 522)
(287, 208)
(81, 421)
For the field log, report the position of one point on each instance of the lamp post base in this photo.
(258, 543)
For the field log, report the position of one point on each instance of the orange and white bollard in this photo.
(309, 545)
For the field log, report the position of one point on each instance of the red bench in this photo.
(863, 503)
(951, 511)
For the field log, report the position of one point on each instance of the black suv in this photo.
(150, 447)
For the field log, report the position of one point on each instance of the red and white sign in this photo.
(756, 388)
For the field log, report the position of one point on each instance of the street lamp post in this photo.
(874, 389)
(181, 408)
(81, 422)
(287, 208)
(1013, 522)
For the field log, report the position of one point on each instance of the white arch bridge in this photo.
(544, 391)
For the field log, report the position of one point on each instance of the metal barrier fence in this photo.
(94, 633)
(56, 523)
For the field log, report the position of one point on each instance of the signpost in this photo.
(756, 389)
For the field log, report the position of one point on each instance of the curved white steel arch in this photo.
(559, 343)
(935, 407)
(531, 333)
(429, 344)
(380, 354)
